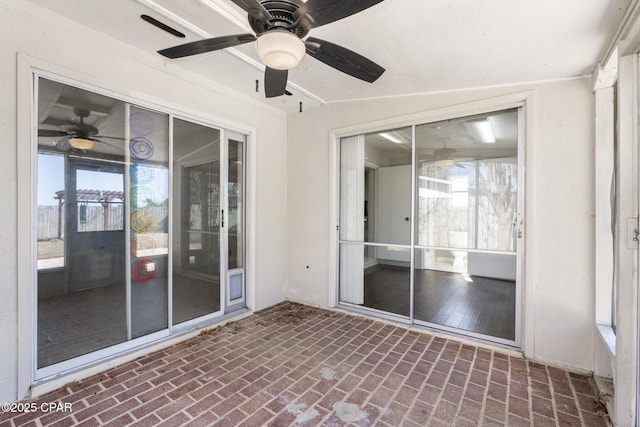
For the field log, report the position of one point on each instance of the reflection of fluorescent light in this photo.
(391, 137)
(481, 131)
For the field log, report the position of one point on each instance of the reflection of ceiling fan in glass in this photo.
(77, 134)
(444, 157)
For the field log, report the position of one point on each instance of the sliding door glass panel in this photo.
(375, 207)
(149, 220)
(380, 286)
(446, 204)
(81, 282)
(467, 182)
(50, 211)
(466, 200)
(103, 224)
(375, 187)
(480, 304)
(197, 220)
(235, 218)
(497, 202)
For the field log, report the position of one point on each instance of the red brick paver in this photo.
(296, 365)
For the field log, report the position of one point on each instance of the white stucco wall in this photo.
(559, 237)
(96, 59)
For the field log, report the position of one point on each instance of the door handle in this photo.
(406, 218)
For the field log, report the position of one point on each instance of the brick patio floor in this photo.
(296, 365)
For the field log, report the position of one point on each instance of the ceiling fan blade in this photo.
(254, 8)
(51, 133)
(275, 82)
(108, 143)
(344, 60)
(207, 45)
(321, 12)
(108, 137)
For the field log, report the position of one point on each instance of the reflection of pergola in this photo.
(101, 196)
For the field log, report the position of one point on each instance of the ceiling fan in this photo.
(279, 27)
(76, 133)
(444, 157)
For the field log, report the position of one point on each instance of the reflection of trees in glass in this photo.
(438, 214)
(488, 215)
(499, 186)
(204, 198)
(195, 203)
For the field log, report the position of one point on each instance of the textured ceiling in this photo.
(425, 45)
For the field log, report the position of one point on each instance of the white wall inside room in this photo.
(99, 60)
(559, 274)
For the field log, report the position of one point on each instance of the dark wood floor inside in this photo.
(476, 304)
(80, 322)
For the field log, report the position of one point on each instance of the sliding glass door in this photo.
(196, 261)
(375, 232)
(428, 224)
(140, 225)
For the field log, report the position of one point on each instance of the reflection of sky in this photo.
(51, 179)
(96, 180)
(468, 170)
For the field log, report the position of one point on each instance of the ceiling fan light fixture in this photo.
(280, 49)
(81, 143)
(445, 162)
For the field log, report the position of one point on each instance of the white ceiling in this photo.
(425, 45)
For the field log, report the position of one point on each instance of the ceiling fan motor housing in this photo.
(282, 18)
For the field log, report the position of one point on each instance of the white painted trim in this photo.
(469, 108)
(170, 218)
(629, 20)
(334, 206)
(604, 170)
(605, 75)
(625, 363)
(520, 226)
(25, 246)
(223, 239)
(463, 90)
(528, 301)
(608, 337)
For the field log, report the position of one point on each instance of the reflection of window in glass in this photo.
(449, 202)
(497, 200)
(446, 204)
(460, 191)
(50, 210)
(100, 208)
